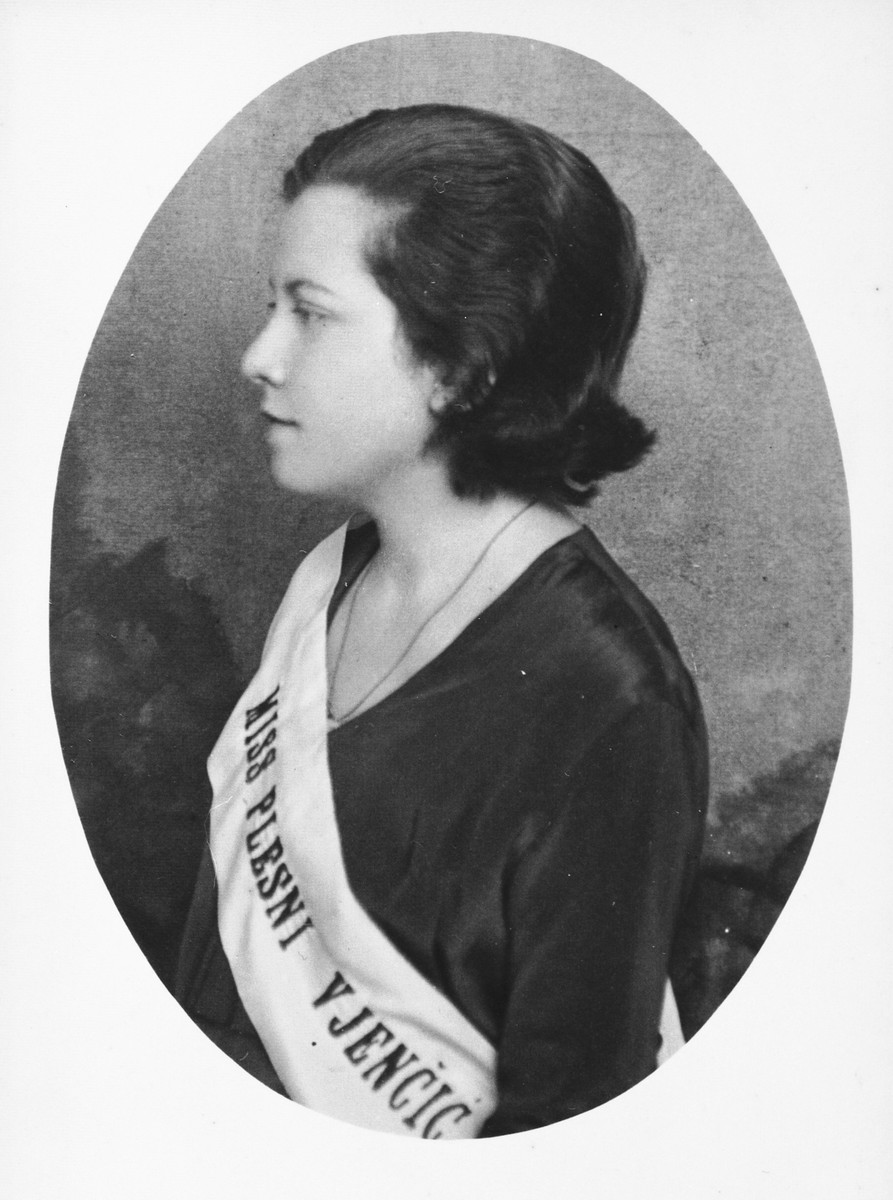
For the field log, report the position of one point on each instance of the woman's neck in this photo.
(441, 561)
(429, 532)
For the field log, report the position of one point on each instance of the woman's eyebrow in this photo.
(292, 287)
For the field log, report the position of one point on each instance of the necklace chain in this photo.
(404, 654)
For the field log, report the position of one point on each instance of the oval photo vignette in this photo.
(172, 547)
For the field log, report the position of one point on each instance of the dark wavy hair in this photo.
(516, 274)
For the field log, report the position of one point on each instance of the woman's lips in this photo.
(274, 421)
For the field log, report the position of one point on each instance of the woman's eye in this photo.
(307, 316)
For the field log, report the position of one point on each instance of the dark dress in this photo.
(523, 819)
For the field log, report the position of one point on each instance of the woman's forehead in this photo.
(325, 231)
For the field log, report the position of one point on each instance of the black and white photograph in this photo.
(448, 560)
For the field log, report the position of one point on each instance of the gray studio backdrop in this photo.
(172, 547)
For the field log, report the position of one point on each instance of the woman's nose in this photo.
(261, 363)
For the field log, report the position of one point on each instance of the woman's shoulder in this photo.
(591, 627)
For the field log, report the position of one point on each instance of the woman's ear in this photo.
(440, 400)
(444, 397)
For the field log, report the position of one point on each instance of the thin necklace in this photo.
(358, 583)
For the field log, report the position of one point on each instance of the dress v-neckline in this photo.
(478, 624)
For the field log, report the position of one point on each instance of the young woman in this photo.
(458, 809)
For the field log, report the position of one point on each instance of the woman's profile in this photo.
(459, 808)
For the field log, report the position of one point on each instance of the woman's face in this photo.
(348, 407)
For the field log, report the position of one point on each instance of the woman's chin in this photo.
(299, 482)
(299, 485)
(285, 471)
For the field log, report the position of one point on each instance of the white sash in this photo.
(351, 1027)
